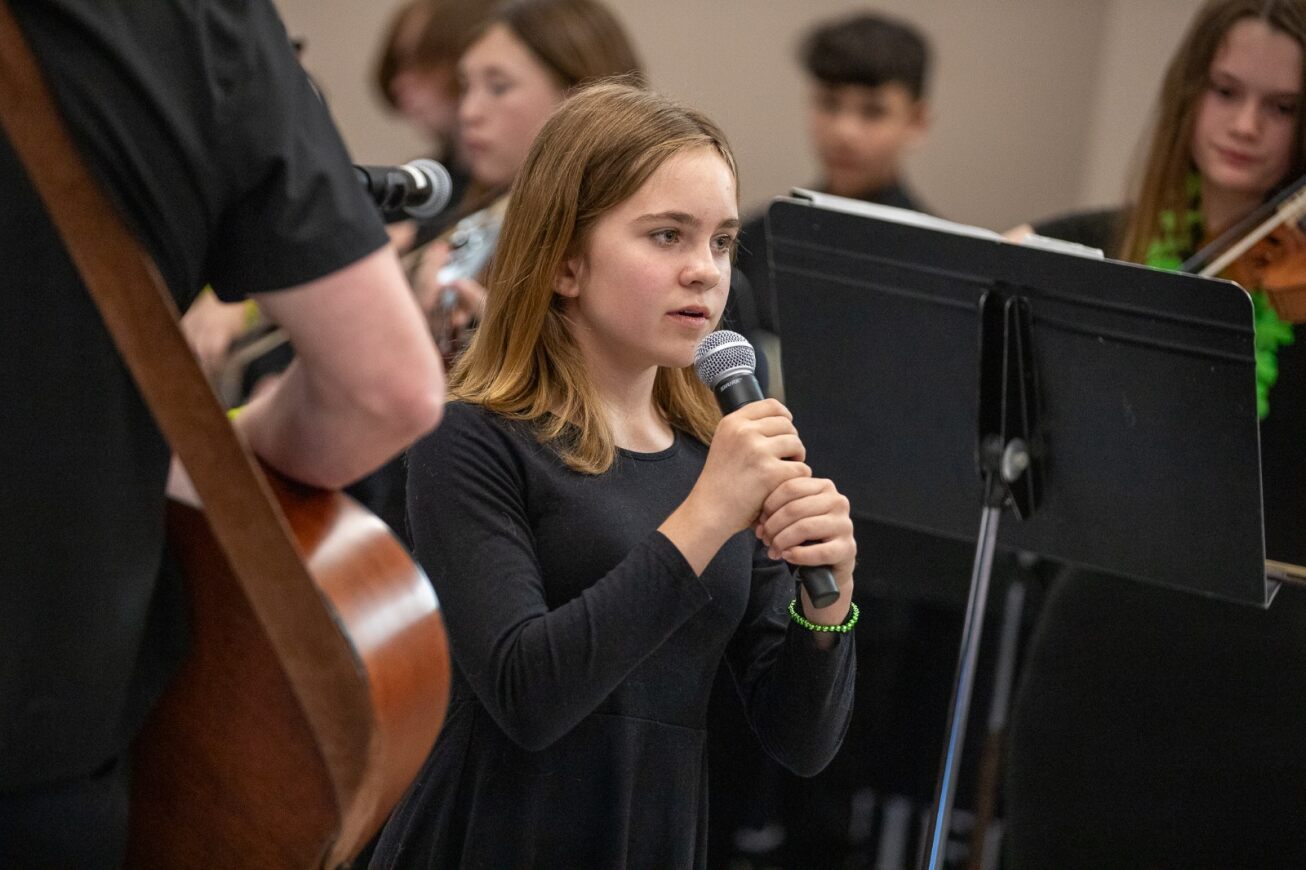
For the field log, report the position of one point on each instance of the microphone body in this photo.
(725, 362)
(417, 189)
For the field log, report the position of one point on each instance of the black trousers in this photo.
(79, 823)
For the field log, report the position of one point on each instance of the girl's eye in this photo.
(666, 238)
(725, 244)
(1287, 109)
(498, 87)
(1224, 92)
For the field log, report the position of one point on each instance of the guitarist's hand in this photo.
(210, 326)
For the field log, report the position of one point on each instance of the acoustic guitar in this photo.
(230, 770)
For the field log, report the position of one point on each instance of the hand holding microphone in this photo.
(753, 452)
(801, 518)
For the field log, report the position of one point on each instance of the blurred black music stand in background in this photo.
(941, 375)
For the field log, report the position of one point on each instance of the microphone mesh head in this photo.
(721, 354)
(437, 178)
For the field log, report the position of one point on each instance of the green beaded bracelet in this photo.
(843, 628)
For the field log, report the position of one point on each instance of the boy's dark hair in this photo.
(868, 50)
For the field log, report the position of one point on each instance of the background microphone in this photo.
(418, 189)
(725, 361)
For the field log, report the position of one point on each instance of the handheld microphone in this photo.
(725, 361)
(419, 189)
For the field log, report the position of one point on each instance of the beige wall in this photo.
(1139, 39)
(1038, 104)
(341, 50)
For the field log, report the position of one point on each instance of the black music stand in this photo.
(1111, 406)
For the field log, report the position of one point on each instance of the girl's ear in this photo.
(567, 280)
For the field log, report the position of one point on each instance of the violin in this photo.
(472, 242)
(1266, 250)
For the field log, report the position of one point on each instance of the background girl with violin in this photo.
(599, 536)
(1154, 728)
(524, 59)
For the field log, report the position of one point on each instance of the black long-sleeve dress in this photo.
(584, 649)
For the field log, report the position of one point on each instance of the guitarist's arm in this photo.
(366, 380)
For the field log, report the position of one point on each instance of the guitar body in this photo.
(231, 770)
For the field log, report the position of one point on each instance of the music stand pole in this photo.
(1007, 427)
(958, 713)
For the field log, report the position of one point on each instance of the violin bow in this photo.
(1287, 205)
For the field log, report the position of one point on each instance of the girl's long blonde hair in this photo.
(595, 152)
(1163, 183)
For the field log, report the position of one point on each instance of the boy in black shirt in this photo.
(866, 109)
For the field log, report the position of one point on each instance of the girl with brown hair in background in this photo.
(526, 56)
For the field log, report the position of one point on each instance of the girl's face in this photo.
(422, 93)
(1246, 125)
(424, 97)
(655, 271)
(507, 95)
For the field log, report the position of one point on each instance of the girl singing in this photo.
(599, 537)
